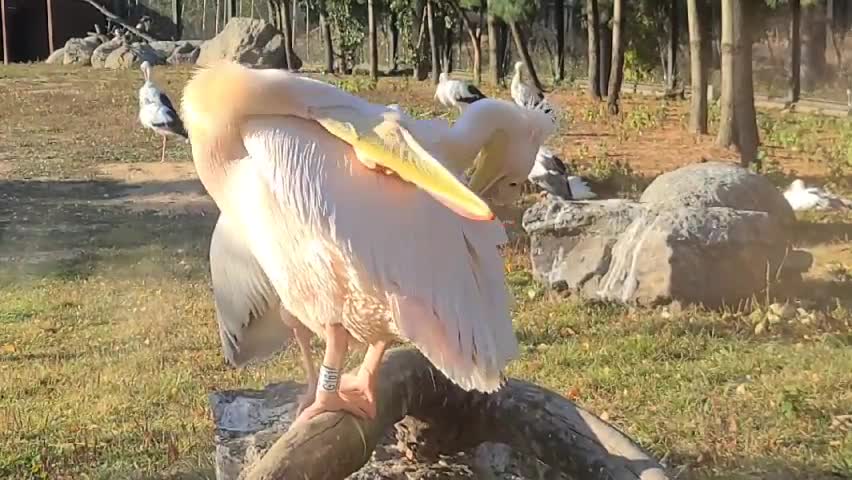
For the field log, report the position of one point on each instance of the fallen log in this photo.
(444, 419)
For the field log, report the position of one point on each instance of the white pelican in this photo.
(456, 93)
(298, 170)
(156, 110)
(549, 174)
(803, 198)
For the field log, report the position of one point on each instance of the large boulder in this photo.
(103, 51)
(57, 57)
(703, 234)
(131, 56)
(245, 40)
(78, 51)
(185, 54)
(718, 184)
(164, 48)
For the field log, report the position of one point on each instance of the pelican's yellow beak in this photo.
(390, 145)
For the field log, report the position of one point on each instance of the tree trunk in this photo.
(594, 48)
(605, 58)
(374, 44)
(795, 51)
(326, 40)
(177, 11)
(442, 419)
(287, 23)
(523, 51)
(417, 26)
(697, 70)
(494, 59)
(617, 73)
(726, 117)
(433, 43)
(474, 38)
(813, 44)
(745, 118)
(559, 26)
(447, 50)
(671, 53)
(394, 42)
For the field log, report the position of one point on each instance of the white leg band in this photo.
(329, 379)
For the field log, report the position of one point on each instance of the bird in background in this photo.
(453, 93)
(157, 112)
(526, 95)
(549, 174)
(315, 233)
(802, 198)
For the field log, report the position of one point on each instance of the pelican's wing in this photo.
(385, 140)
(252, 325)
(310, 207)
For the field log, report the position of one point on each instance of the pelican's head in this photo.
(519, 66)
(443, 77)
(507, 158)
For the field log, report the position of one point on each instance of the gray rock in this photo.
(164, 48)
(717, 184)
(101, 53)
(247, 41)
(57, 57)
(184, 54)
(131, 56)
(78, 51)
(571, 241)
(248, 422)
(703, 234)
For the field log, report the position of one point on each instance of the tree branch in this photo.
(115, 18)
(530, 419)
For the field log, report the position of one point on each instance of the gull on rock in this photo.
(549, 174)
(456, 93)
(157, 112)
(802, 198)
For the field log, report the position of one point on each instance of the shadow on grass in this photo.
(56, 229)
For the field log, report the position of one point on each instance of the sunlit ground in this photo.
(108, 343)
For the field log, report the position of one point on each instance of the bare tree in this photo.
(433, 42)
(494, 60)
(617, 73)
(726, 117)
(698, 70)
(287, 27)
(325, 27)
(738, 122)
(795, 51)
(671, 46)
(474, 35)
(374, 44)
(747, 136)
(814, 33)
(594, 48)
(177, 10)
(559, 27)
(523, 51)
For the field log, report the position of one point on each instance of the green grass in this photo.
(108, 343)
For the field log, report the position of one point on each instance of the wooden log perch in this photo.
(446, 419)
(115, 18)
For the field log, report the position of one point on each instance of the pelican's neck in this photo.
(516, 78)
(469, 135)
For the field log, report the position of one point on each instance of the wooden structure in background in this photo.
(33, 29)
(3, 27)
